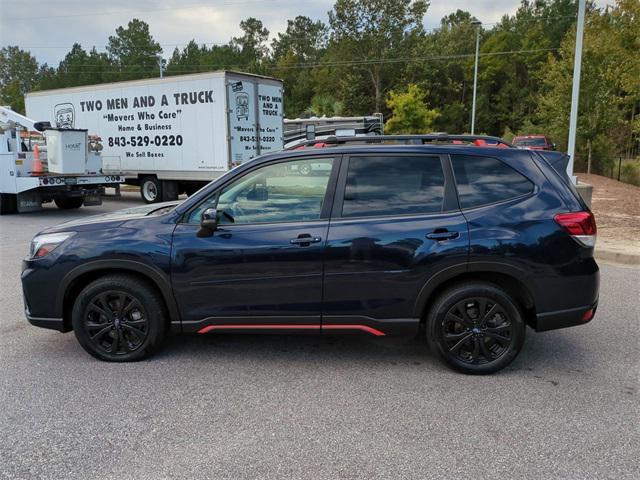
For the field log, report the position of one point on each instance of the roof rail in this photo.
(478, 140)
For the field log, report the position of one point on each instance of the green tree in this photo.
(19, 73)
(410, 113)
(372, 35)
(252, 44)
(294, 53)
(134, 51)
(600, 109)
(324, 105)
(448, 80)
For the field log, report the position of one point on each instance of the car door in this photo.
(262, 267)
(395, 224)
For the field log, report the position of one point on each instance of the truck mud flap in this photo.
(29, 202)
(92, 200)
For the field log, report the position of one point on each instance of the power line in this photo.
(348, 63)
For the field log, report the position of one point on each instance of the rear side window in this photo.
(484, 180)
(393, 185)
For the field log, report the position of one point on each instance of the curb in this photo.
(617, 257)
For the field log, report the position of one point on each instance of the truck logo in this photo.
(236, 86)
(242, 106)
(64, 115)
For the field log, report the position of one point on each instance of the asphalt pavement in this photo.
(280, 407)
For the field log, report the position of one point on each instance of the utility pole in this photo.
(575, 93)
(475, 76)
(161, 65)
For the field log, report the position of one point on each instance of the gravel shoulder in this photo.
(616, 206)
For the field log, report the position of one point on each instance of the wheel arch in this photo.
(73, 283)
(508, 277)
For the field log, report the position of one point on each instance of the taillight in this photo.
(580, 225)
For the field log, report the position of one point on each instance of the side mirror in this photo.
(208, 222)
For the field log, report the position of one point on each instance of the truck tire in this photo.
(169, 190)
(8, 203)
(191, 188)
(68, 203)
(151, 189)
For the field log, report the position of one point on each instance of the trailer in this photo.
(172, 135)
(40, 164)
(298, 130)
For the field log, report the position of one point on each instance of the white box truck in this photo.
(171, 135)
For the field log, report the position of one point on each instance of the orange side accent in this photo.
(36, 166)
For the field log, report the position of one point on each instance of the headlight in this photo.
(44, 244)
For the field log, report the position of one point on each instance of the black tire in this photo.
(68, 203)
(119, 318)
(170, 190)
(469, 322)
(151, 189)
(191, 188)
(8, 203)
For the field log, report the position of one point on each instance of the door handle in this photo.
(304, 240)
(442, 235)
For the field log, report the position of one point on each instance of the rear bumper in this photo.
(565, 318)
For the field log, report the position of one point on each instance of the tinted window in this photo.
(393, 186)
(283, 192)
(530, 142)
(483, 180)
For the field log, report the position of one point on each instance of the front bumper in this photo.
(565, 318)
(50, 323)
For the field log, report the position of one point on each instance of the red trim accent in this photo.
(363, 328)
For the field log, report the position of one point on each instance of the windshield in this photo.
(530, 142)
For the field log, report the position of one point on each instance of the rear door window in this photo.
(485, 180)
(393, 185)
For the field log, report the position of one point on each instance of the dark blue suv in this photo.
(462, 245)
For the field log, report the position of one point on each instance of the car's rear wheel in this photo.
(119, 319)
(476, 328)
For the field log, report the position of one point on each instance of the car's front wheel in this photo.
(119, 319)
(476, 328)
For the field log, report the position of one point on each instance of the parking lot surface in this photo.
(350, 407)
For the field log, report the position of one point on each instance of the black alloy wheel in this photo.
(119, 318)
(476, 328)
(116, 322)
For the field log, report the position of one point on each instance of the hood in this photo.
(116, 217)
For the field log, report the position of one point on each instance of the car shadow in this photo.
(559, 352)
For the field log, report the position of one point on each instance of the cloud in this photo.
(48, 28)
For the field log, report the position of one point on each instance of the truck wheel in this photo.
(192, 188)
(305, 169)
(69, 203)
(151, 189)
(169, 190)
(8, 203)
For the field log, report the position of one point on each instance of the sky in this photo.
(48, 28)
